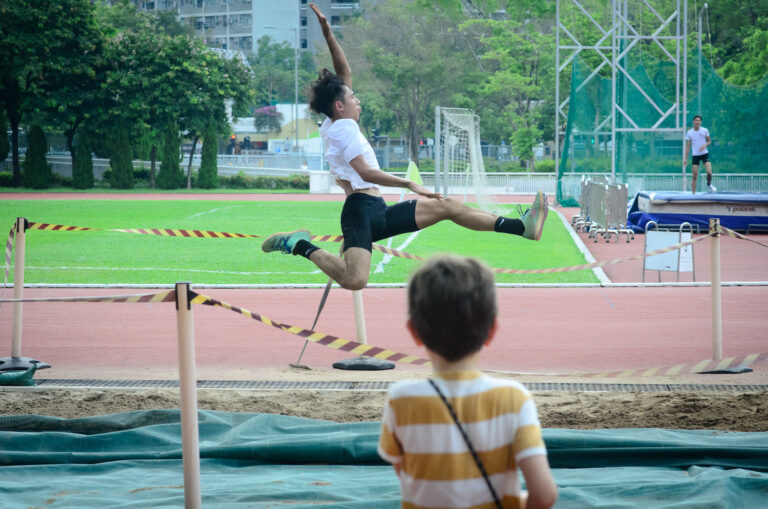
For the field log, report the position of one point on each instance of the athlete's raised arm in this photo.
(340, 64)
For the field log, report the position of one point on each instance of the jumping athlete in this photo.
(365, 217)
(696, 141)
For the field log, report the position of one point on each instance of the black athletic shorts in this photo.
(366, 219)
(703, 158)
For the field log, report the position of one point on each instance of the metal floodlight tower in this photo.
(621, 34)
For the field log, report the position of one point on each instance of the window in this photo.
(335, 20)
(303, 21)
(303, 44)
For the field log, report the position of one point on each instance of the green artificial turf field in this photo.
(112, 258)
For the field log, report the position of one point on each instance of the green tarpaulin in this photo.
(263, 461)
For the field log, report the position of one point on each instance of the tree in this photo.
(216, 81)
(267, 119)
(120, 161)
(170, 176)
(157, 78)
(272, 65)
(207, 176)
(518, 53)
(5, 147)
(40, 47)
(37, 171)
(411, 57)
(82, 168)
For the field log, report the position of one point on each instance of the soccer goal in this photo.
(459, 165)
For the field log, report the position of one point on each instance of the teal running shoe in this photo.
(284, 241)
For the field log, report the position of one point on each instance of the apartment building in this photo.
(238, 24)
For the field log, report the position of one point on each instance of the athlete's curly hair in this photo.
(324, 91)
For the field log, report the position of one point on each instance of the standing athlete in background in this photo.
(698, 139)
(365, 217)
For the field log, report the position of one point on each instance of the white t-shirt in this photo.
(698, 138)
(343, 142)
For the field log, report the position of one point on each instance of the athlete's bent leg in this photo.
(350, 271)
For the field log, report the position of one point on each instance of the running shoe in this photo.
(533, 218)
(711, 188)
(284, 241)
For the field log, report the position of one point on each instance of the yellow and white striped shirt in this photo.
(437, 468)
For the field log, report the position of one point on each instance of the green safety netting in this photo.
(735, 117)
(133, 460)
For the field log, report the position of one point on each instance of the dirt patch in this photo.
(730, 411)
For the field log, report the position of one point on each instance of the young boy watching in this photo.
(452, 312)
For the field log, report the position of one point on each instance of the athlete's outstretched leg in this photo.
(350, 271)
(429, 212)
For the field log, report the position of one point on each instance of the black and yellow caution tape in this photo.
(8, 253)
(165, 232)
(737, 235)
(167, 296)
(320, 338)
(354, 347)
(571, 268)
(680, 369)
(340, 238)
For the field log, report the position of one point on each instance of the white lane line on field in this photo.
(212, 211)
(172, 270)
(388, 257)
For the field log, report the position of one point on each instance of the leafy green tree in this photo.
(158, 78)
(215, 80)
(170, 176)
(750, 66)
(411, 57)
(120, 161)
(5, 147)
(273, 68)
(519, 57)
(267, 119)
(41, 49)
(207, 176)
(82, 168)
(37, 171)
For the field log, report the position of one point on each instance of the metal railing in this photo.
(458, 183)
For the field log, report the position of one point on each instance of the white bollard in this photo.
(188, 388)
(357, 298)
(717, 302)
(18, 284)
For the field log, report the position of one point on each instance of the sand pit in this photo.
(731, 410)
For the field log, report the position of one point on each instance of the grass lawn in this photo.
(114, 258)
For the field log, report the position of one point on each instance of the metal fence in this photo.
(458, 183)
(737, 182)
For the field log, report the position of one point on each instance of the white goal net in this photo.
(459, 165)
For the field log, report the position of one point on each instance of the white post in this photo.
(717, 303)
(438, 185)
(357, 297)
(18, 285)
(188, 388)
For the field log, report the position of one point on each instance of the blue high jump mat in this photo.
(133, 460)
(737, 211)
